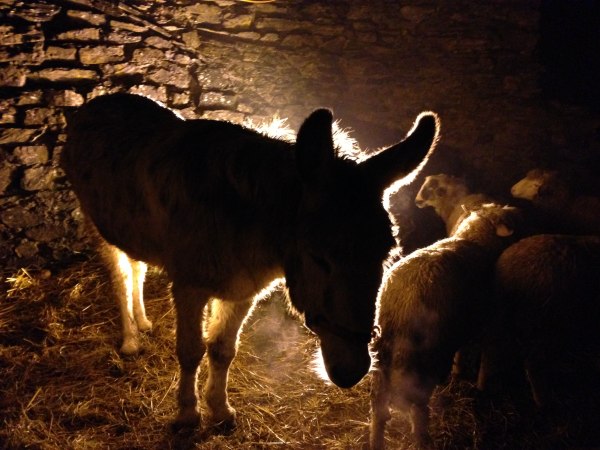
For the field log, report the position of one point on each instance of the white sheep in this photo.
(548, 287)
(450, 198)
(561, 209)
(432, 303)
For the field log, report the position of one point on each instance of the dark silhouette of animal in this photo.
(557, 207)
(432, 303)
(548, 292)
(225, 210)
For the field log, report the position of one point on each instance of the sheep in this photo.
(432, 303)
(450, 197)
(561, 210)
(548, 289)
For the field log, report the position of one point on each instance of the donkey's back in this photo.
(168, 191)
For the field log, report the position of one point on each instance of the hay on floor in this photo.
(64, 385)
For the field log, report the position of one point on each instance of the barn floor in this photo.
(64, 386)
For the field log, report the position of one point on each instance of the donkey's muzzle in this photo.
(346, 362)
(344, 378)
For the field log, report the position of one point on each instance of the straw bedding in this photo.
(63, 384)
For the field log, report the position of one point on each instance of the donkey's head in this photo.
(343, 234)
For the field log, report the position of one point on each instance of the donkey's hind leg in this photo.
(139, 310)
(222, 329)
(128, 286)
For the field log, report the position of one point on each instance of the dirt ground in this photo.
(63, 384)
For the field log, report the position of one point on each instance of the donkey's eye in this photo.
(321, 262)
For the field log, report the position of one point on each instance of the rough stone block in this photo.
(191, 39)
(55, 53)
(123, 37)
(158, 42)
(17, 135)
(101, 54)
(6, 175)
(44, 116)
(119, 25)
(181, 99)
(13, 76)
(30, 98)
(38, 178)
(87, 17)
(83, 34)
(148, 56)
(174, 76)
(64, 75)
(31, 154)
(7, 111)
(237, 22)
(201, 13)
(9, 36)
(65, 98)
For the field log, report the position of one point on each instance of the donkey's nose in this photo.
(343, 378)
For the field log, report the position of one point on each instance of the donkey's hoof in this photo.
(224, 427)
(130, 347)
(144, 325)
(186, 419)
(223, 421)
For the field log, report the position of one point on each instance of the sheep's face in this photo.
(440, 189)
(529, 187)
(542, 186)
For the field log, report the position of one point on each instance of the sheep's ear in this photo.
(504, 230)
(314, 145)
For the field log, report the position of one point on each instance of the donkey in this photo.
(225, 210)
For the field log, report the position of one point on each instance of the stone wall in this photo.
(377, 64)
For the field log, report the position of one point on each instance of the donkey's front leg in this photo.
(221, 334)
(189, 303)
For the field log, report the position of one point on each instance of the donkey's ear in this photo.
(405, 157)
(314, 145)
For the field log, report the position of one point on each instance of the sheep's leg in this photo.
(419, 420)
(541, 380)
(501, 364)
(222, 332)
(458, 365)
(139, 311)
(380, 409)
(189, 303)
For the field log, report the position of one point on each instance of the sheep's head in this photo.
(491, 224)
(541, 186)
(440, 190)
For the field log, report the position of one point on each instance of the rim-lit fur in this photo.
(432, 303)
(225, 210)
